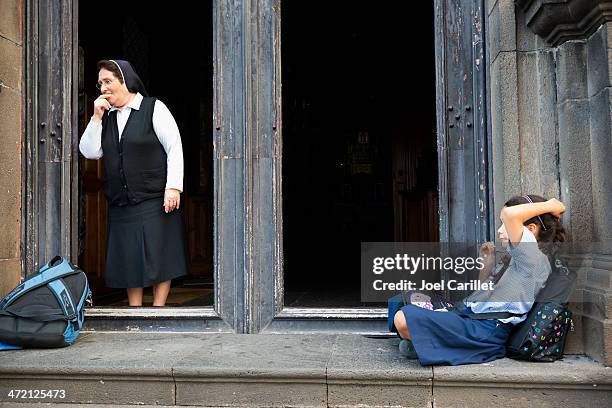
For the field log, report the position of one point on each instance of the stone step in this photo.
(68, 405)
(195, 369)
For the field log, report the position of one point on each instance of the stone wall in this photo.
(11, 88)
(597, 317)
(551, 135)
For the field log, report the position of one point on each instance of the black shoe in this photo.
(406, 349)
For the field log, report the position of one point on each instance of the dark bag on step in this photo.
(542, 336)
(47, 309)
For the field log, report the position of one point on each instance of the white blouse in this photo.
(164, 126)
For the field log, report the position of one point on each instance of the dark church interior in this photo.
(171, 49)
(359, 146)
(359, 143)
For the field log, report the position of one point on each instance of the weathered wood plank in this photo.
(230, 207)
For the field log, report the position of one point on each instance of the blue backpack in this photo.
(47, 309)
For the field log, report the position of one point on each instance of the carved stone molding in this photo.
(558, 21)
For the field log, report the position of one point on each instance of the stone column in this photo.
(11, 63)
(597, 317)
(551, 116)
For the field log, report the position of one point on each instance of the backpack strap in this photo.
(57, 268)
(36, 315)
(494, 315)
(57, 260)
(460, 309)
(560, 265)
(62, 294)
(59, 289)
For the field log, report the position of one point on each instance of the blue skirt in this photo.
(446, 338)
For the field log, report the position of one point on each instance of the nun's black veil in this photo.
(130, 77)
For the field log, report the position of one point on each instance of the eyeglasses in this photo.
(104, 82)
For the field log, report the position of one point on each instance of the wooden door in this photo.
(415, 195)
(198, 203)
(93, 233)
(92, 205)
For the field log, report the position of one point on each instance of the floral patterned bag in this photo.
(542, 336)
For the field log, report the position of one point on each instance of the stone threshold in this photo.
(194, 369)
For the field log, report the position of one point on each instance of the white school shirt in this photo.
(518, 288)
(164, 126)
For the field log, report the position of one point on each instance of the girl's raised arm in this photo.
(515, 216)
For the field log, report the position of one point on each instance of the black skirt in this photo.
(145, 246)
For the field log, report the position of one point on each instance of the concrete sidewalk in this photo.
(286, 370)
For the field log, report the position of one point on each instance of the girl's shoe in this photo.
(406, 349)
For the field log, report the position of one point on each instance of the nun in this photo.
(143, 168)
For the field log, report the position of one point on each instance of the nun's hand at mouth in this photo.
(100, 105)
(172, 200)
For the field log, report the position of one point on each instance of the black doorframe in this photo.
(49, 204)
(247, 159)
(51, 169)
(464, 147)
(464, 150)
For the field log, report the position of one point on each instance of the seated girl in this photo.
(530, 230)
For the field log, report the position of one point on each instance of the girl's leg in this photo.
(134, 296)
(406, 348)
(160, 293)
(401, 326)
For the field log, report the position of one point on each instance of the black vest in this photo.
(135, 167)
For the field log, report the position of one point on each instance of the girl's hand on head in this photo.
(558, 207)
